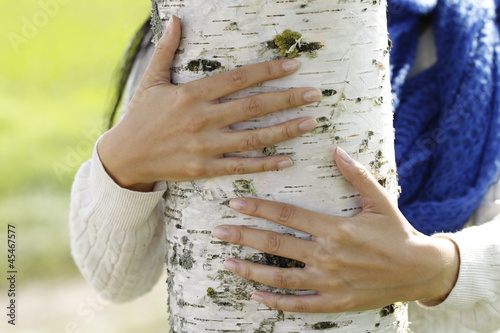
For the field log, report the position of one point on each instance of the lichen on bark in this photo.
(273, 260)
(203, 65)
(156, 23)
(291, 44)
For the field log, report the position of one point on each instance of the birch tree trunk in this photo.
(343, 49)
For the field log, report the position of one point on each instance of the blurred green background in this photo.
(57, 59)
(55, 88)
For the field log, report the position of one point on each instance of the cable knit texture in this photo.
(117, 240)
(447, 117)
(474, 303)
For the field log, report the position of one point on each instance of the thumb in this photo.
(158, 71)
(374, 196)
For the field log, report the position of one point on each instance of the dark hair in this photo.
(139, 42)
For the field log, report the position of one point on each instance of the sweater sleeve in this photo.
(117, 235)
(475, 299)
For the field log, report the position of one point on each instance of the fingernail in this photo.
(312, 95)
(258, 297)
(344, 156)
(290, 65)
(169, 24)
(284, 164)
(220, 232)
(231, 265)
(238, 204)
(308, 125)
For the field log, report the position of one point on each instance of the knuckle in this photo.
(269, 71)
(330, 257)
(269, 166)
(272, 243)
(280, 280)
(287, 132)
(361, 173)
(344, 230)
(238, 236)
(194, 147)
(253, 142)
(245, 271)
(161, 46)
(335, 284)
(299, 306)
(274, 302)
(151, 79)
(238, 78)
(253, 106)
(235, 168)
(341, 234)
(195, 169)
(285, 214)
(267, 136)
(322, 255)
(184, 93)
(199, 145)
(253, 208)
(196, 124)
(291, 100)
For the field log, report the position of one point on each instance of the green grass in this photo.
(42, 234)
(55, 86)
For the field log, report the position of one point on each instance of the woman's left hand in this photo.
(367, 261)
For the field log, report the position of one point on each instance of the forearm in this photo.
(117, 235)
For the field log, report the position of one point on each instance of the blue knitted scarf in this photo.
(447, 118)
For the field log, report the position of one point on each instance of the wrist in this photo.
(118, 167)
(446, 263)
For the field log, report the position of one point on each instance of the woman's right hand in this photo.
(181, 132)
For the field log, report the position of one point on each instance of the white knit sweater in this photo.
(118, 243)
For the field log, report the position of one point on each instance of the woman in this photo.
(132, 227)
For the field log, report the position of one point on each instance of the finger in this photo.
(158, 71)
(266, 241)
(243, 77)
(248, 140)
(261, 104)
(284, 278)
(295, 303)
(288, 215)
(245, 165)
(372, 193)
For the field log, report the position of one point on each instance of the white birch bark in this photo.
(351, 68)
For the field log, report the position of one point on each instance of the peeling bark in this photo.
(343, 49)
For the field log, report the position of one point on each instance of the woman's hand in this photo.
(181, 132)
(354, 263)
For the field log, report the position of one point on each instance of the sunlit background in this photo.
(57, 59)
